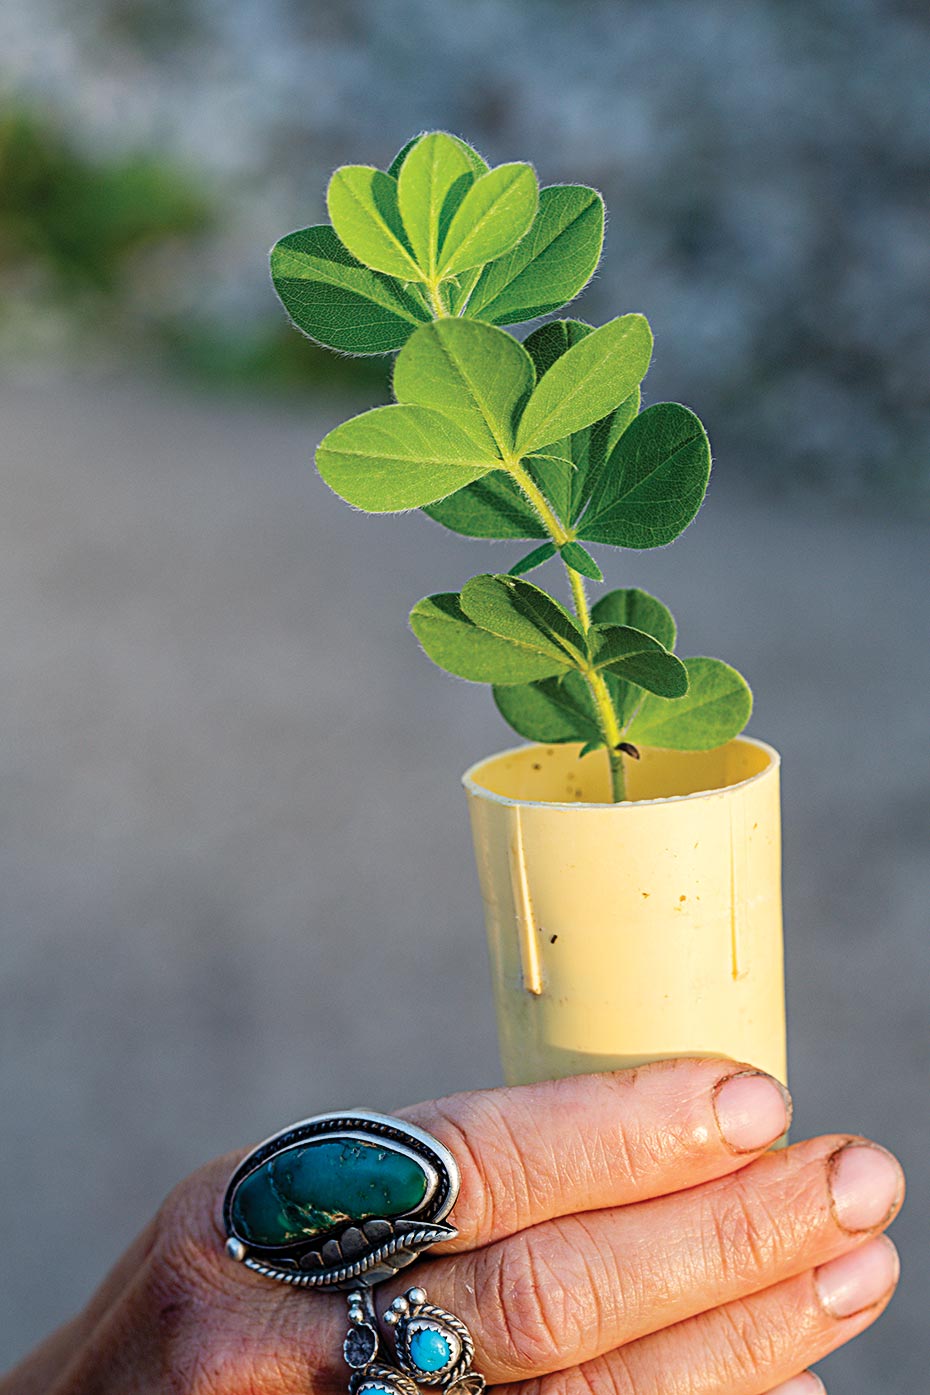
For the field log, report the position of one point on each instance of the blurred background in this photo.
(235, 864)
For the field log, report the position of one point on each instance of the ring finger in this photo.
(567, 1291)
(755, 1346)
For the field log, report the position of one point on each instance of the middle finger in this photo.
(573, 1288)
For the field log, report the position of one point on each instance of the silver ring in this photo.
(343, 1202)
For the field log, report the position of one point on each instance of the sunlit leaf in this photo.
(479, 165)
(433, 180)
(478, 374)
(362, 203)
(550, 265)
(592, 378)
(495, 213)
(399, 457)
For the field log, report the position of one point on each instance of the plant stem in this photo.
(435, 301)
(610, 727)
(601, 694)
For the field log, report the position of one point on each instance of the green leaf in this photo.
(590, 447)
(654, 482)
(594, 376)
(631, 606)
(432, 182)
(551, 264)
(459, 646)
(493, 216)
(338, 301)
(580, 560)
(637, 658)
(398, 457)
(717, 707)
(533, 559)
(552, 711)
(520, 611)
(479, 165)
(362, 203)
(473, 372)
(493, 507)
(550, 341)
(394, 167)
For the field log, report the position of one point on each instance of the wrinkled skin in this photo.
(612, 1242)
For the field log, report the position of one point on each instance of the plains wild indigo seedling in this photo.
(541, 440)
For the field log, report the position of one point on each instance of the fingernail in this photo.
(859, 1280)
(752, 1109)
(807, 1383)
(865, 1183)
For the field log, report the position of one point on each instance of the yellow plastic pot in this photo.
(625, 933)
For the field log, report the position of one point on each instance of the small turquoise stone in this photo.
(429, 1351)
(310, 1189)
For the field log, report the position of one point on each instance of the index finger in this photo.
(530, 1153)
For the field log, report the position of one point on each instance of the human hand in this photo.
(618, 1234)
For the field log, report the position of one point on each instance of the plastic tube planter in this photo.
(643, 920)
(623, 933)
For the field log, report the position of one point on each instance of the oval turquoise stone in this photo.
(429, 1351)
(308, 1190)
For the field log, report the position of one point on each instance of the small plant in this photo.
(542, 440)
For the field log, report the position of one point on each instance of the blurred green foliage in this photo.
(95, 254)
(77, 222)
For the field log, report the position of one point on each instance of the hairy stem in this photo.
(607, 717)
(436, 303)
(601, 694)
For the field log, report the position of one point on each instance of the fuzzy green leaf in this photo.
(493, 507)
(459, 646)
(716, 708)
(552, 711)
(550, 265)
(589, 448)
(592, 378)
(433, 180)
(533, 559)
(637, 658)
(550, 341)
(518, 610)
(479, 165)
(580, 560)
(399, 457)
(654, 482)
(339, 302)
(473, 372)
(631, 606)
(362, 203)
(493, 216)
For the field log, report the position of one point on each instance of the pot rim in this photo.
(482, 792)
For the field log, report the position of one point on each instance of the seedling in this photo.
(542, 440)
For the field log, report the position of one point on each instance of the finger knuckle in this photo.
(753, 1339)
(534, 1313)
(746, 1232)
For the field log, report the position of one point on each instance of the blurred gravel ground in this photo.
(235, 862)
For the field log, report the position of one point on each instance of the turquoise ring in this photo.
(343, 1202)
